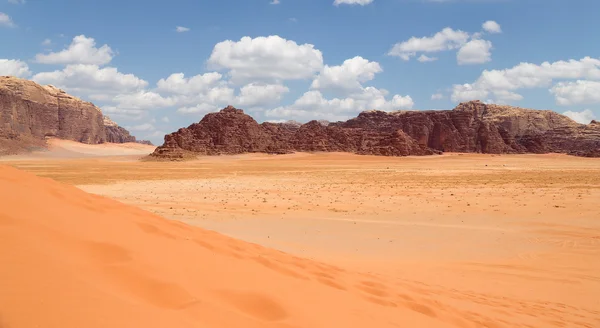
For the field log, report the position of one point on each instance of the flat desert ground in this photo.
(301, 240)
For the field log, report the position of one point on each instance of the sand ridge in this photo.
(66, 149)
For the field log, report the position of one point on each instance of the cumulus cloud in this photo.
(46, 42)
(578, 92)
(14, 67)
(82, 50)
(6, 21)
(352, 2)
(90, 80)
(199, 109)
(255, 94)
(471, 48)
(144, 100)
(491, 27)
(177, 83)
(141, 127)
(474, 52)
(181, 29)
(347, 80)
(312, 105)
(446, 39)
(347, 77)
(129, 114)
(437, 96)
(426, 59)
(466, 92)
(504, 83)
(583, 117)
(270, 59)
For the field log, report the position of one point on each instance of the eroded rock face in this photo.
(472, 127)
(27, 108)
(115, 133)
(30, 112)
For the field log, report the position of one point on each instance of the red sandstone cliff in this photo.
(470, 127)
(30, 112)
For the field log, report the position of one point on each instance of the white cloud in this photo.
(16, 1)
(46, 42)
(181, 29)
(202, 108)
(578, 92)
(312, 105)
(165, 119)
(141, 127)
(492, 27)
(14, 67)
(583, 117)
(91, 80)
(526, 76)
(352, 2)
(255, 94)
(5, 20)
(143, 100)
(467, 92)
(347, 77)
(426, 59)
(129, 114)
(437, 96)
(82, 50)
(399, 102)
(447, 39)
(269, 58)
(177, 83)
(275, 2)
(505, 96)
(474, 52)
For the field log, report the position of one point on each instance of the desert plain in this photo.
(299, 240)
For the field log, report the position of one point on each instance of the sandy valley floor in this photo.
(465, 240)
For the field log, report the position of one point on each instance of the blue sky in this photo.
(304, 59)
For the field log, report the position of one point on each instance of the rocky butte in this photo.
(471, 127)
(29, 113)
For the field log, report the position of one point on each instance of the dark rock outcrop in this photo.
(29, 113)
(472, 127)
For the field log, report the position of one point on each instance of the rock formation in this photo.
(145, 142)
(29, 113)
(471, 127)
(115, 133)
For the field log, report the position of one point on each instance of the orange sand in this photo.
(458, 240)
(71, 259)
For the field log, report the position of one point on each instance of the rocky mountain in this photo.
(471, 127)
(30, 112)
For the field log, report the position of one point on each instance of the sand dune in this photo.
(465, 241)
(63, 149)
(71, 259)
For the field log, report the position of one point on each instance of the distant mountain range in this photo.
(471, 127)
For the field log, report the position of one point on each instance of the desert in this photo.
(457, 240)
(299, 164)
